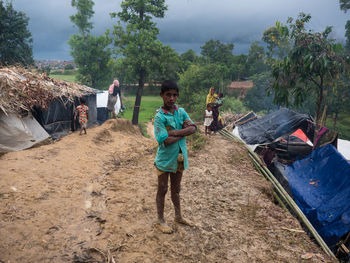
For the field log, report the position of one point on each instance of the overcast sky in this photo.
(187, 24)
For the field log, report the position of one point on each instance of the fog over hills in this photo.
(188, 24)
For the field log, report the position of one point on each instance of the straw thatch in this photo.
(21, 90)
(240, 86)
(230, 118)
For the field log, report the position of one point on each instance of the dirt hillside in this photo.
(91, 198)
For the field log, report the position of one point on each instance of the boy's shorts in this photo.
(180, 166)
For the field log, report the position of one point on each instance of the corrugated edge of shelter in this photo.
(21, 90)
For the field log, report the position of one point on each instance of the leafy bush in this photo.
(233, 104)
(194, 86)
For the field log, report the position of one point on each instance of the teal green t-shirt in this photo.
(166, 158)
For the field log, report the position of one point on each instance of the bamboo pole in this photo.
(284, 194)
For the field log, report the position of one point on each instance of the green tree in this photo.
(257, 98)
(278, 43)
(91, 54)
(68, 67)
(93, 59)
(220, 55)
(137, 41)
(233, 105)
(256, 59)
(271, 37)
(339, 100)
(186, 59)
(345, 6)
(238, 69)
(194, 86)
(311, 68)
(347, 35)
(217, 52)
(189, 55)
(84, 13)
(167, 65)
(15, 38)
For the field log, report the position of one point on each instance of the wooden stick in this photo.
(293, 230)
(346, 250)
(243, 122)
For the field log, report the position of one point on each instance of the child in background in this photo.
(208, 118)
(171, 126)
(83, 111)
(219, 101)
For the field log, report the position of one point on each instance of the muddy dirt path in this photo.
(91, 198)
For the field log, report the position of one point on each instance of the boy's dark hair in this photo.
(82, 100)
(169, 85)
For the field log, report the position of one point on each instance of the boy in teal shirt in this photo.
(171, 126)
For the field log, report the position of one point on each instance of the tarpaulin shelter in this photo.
(320, 184)
(315, 175)
(24, 95)
(273, 126)
(280, 132)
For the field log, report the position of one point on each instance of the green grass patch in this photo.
(148, 107)
(143, 127)
(342, 127)
(196, 141)
(70, 78)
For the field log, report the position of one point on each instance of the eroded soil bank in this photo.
(91, 198)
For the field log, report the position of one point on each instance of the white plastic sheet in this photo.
(102, 98)
(19, 133)
(344, 148)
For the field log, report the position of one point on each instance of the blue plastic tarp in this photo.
(320, 184)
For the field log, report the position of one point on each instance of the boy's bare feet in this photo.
(183, 221)
(162, 226)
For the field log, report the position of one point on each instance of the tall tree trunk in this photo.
(135, 115)
(319, 105)
(318, 110)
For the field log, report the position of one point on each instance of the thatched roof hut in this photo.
(33, 97)
(21, 90)
(240, 86)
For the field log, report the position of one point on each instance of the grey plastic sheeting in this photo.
(275, 125)
(19, 133)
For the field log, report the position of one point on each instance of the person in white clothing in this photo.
(208, 118)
